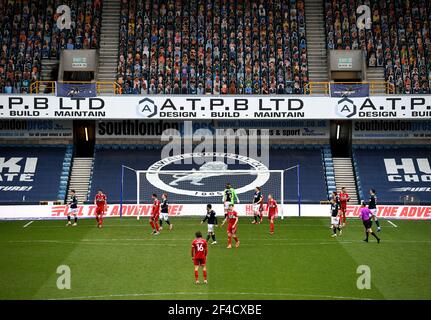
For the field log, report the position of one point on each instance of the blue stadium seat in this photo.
(48, 176)
(371, 172)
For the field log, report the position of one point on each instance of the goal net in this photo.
(192, 187)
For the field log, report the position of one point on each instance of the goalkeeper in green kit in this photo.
(229, 197)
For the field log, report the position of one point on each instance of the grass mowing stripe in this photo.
(387, 274)
(128, 241)
(171, 245)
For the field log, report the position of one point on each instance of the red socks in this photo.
(271, 227)
(235, 238)
(229, 240)
(197, 274)
(154, 225)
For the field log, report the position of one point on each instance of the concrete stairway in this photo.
(345, 177)
(376, 74)
(48, 65)
(109, 40)
(316, 43)
(80, 177)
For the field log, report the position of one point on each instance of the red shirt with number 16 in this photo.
(199, 248)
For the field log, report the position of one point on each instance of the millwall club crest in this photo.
(200, 182)
(147, 108)
(74, 91)
(196, 176)
(346, 108)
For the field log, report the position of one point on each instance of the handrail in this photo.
(376, 87)
(311, 88)
(101, 86)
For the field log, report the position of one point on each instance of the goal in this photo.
(190, 188)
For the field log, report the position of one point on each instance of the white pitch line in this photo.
(197, 225)
(393, 224)
(297, 295)
(27, 224)
(155, 243)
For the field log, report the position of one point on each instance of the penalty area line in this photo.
(27, 224)
(393, 224)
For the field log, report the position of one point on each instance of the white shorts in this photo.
(73, 211)
(335, 220)
(374, 212)
(210, 228)
(256, 207)
(164, 216)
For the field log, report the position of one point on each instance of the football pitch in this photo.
(300, 261)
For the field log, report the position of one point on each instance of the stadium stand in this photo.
(29, 33)
(44, 176)
(212, 47)
(371, 172)
(398, 40)
(217, 47)
(109, 158)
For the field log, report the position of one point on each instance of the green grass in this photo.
(301, 261)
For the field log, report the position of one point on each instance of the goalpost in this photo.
(192, 187)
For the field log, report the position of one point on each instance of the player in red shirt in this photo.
(344, 198)
(155, 213)
(272, 212)
(100, 201)
(232, 218)
(199, 256)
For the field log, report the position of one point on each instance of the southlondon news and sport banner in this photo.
(391, 129)
(29, 128)
(292, 129)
